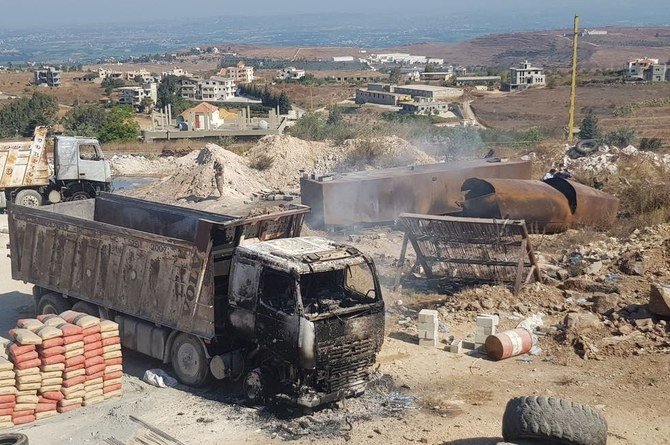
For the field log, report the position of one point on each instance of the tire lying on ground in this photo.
(13, 439)
(555, 420)
(586, 146)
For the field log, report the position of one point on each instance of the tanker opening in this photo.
(336, 291)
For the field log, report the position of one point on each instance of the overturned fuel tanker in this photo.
(549, 206)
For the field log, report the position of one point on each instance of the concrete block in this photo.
(488, 320)
(427, 326)
(470, 345)
(428, 316)
(428, 334)
(428, 342)
(486, 330)
(480, 339)
(456, 346)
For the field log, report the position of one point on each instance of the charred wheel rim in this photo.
(253, 386)
(187, 360)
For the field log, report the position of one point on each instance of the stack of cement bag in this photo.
(7, 387)
(111, 353)
(22, 352)
(72, 387)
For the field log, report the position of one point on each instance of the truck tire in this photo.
(189, 360)
(28, 198)
(554, 420)
(13, 439)
(52, 303)
(78, 196)
(86, 308)
(253, 387)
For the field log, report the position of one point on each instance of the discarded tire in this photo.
(587, 146)
(13, 439)
(557, 420)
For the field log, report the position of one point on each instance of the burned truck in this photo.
(300, 319)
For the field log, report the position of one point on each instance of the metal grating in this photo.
(470, 249)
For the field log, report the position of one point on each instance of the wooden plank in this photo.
(401, 262)
(519, 272)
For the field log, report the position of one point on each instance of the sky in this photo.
(25, 14)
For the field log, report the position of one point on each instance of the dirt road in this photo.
(430, 396)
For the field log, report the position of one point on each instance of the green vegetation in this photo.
(262, 162)
(111, 84)
(106, 124)
(627, 109)
(268, 98)
(651, 144)
(21, 116)
(168, 94)
(589, 128)
(621, 137)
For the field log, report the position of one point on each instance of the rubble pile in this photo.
(606, 159)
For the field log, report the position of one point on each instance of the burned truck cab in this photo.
(312, 312)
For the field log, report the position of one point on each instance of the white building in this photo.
(240, 73)
(176, 72)
(134, 95)
(291, 73)
(343, 59)
(404, 58)
(526, 76)
(214, 89)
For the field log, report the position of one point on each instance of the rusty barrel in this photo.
(508, 344)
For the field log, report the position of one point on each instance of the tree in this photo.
(146, 104)
(85, 120)
(334, 115)
(120, 125)
(621, 137)
(395, 75)
(21, 116)
(110, 85)
(589, 128)
(284, 103)
(169, 93)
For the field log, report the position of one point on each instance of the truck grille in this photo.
(342, 363)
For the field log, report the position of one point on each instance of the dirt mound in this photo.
(131, 165)
(289, 156)
(193, 179)
(292, 156)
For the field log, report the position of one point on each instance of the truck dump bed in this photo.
(157, 262)
(24, 163)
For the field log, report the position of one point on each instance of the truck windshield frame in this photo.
(348, 289)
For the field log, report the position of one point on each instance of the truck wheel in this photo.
(86, 308)
(13, 439)
(189, 360)
(554, 420)
(52, 303)
(28, 198)
(78, 196)
(254, 387)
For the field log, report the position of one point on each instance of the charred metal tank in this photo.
(547, 206)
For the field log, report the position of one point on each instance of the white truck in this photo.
(80, 170)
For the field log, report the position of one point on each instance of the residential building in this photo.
(203, 116)
(176, 72)
(135, 95)
(215, 89)
(240, 73)
(425, 107)
(647, 70)
(478, 80)
(291, 73)
(431, 92)
(47, 76)
(526, 76)
(380, 97)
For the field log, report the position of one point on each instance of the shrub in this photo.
(651, 144)
(621, 137)
(262, 162)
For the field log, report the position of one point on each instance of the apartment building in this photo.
(646, 70)
(291, 73)
(47, 76)
(526, 76)
(214, 89)
(134, 95)
(240, 73)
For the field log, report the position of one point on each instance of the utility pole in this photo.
(573, 91)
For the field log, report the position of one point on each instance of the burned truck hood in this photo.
(302, 255)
